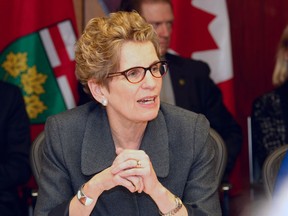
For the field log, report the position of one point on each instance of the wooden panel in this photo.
(92, 9)
(85, 10)
(78, 7)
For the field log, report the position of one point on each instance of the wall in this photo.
(85, 10)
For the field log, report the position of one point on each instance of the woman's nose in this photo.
(149, 80)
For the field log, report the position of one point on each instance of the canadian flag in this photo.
(201, 31)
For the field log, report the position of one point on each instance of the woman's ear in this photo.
(96, 90)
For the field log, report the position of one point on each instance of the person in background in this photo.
(188, 84)
(269, 116)
(126, 153)
(15, 146)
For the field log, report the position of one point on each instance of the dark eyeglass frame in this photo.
(124, 73)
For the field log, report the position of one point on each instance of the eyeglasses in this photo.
(137, 74)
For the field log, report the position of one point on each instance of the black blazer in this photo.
(194, 90)
(15, 145)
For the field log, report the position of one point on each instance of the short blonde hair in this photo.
(280, 73)
(98, 49)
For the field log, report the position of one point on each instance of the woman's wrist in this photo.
(158, 191)
(93, 188)
(178, 206)
(168, 204)
(83, 198)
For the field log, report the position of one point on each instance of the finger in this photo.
(137, 182)
(127, 154)
(125, 183)
(119, 150)
(132, 172)
(140, 190)
(129, 164)
(134, 184)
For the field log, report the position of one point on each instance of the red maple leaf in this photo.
(190, 29)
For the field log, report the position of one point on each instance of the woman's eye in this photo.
(155, 69)
(134, 72)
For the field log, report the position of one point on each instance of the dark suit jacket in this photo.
(79, 144)
(15, 145)
(194, 90)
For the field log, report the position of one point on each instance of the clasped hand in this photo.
(131, 169)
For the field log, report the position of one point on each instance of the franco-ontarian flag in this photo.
(37, 54)
(37, 63)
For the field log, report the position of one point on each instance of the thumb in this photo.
(119, 150)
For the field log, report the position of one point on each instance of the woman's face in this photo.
(134, 102)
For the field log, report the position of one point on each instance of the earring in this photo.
(104, 101)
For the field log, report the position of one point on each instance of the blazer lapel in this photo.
(155, 144)
(98, 150)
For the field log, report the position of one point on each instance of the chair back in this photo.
(271, 167)
(36, 155)
(221, 154)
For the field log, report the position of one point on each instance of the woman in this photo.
(269, 113)
(129, 156)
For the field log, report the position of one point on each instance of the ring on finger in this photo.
(138, 163)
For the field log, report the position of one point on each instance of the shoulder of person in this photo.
(189, 128)
(179, 116)
(173, 58)
(78, 114)
(283, 89)
(271, 96)
(265, 99)
(198, 67)
(9, 89)
(12, 99)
